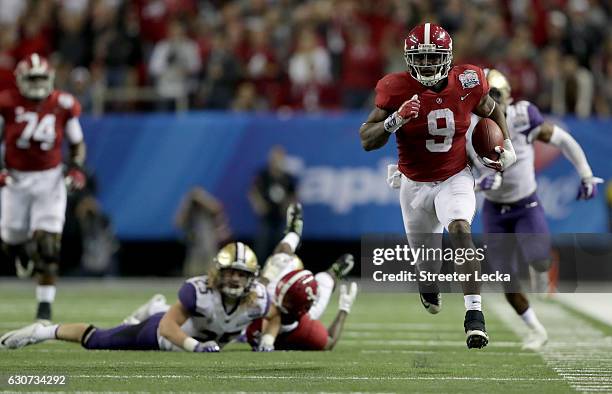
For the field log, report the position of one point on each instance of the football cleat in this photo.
(341, 267)
(476, 334)
(430, 297)
(143, 312)
(536, 339)
(17, 339)
(295, 220)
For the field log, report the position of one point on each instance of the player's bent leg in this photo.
(19, 254)
(46, 260)
(156, 304)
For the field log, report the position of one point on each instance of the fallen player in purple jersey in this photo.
(211, 311)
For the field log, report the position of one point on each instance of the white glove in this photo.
(394, 176)
(347, 297)
(507, 157)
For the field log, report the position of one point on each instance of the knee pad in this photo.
(48, 246)
(541, 265)
(47, 254)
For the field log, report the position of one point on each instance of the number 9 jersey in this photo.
(432, 147)
(33, 131)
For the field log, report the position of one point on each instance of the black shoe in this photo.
(295, 220)
(430, 297)
(343, 266)
(476, 334)
(44, 311)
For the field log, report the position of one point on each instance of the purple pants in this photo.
(141, 336)
(513, 231)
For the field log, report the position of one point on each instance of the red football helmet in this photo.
(428, 51)
(296, 292)
(34, 77)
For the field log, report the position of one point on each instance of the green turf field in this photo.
(390, 344)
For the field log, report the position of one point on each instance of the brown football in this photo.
(486, 136)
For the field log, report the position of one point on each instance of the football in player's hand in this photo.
(486, 136)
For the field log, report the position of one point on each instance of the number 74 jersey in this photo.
(33, 131)
(432, 147)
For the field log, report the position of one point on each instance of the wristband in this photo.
(393, 123)
(189, 344)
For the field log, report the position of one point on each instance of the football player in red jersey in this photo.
(428, 108)
(302, 297)
(36, 119)
(294, 296)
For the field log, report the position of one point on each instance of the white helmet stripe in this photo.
(35, 60)
(290, 282)
(240, 252)
(427, 33)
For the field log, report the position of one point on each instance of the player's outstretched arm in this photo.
(170, 328)
(347, 298)
(487, 108)
(555, 135)
(271, 328)
(372, 133)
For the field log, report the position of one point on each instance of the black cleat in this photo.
(343, 266)
(476, 334)
(43, 313)
(295, 220)
(430, 297)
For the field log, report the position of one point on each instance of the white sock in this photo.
(473, 302)
(530, 318)
(292, 239)
(325, 287)
(46, 332)
(45, 293)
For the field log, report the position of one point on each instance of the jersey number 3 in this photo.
(448, 131)
(42, 131)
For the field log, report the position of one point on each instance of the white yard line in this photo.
(577, 351)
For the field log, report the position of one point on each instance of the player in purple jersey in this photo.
(512, 206)
(212, 310)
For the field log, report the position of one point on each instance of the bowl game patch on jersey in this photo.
(469, 79)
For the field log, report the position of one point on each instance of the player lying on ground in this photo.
(301, 297)
(212, 310)
(511, 203)
(35, 119)
(428, 110)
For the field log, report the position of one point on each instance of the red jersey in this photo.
(34, 130)
(432, 146)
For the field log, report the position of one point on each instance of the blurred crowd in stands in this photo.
(318, 54)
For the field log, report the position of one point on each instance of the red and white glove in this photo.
(5, 178)
(408, 110)
(75, 179)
